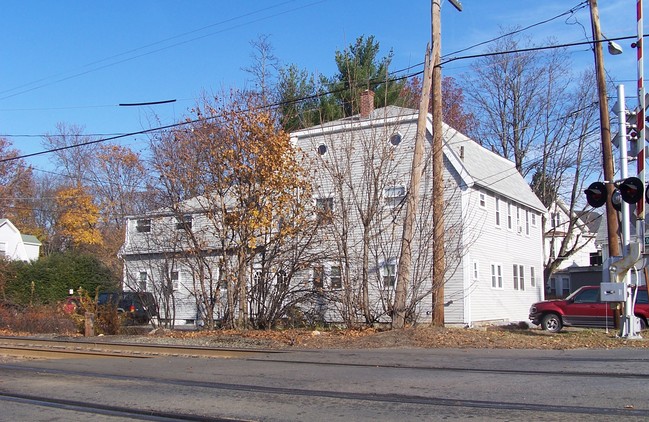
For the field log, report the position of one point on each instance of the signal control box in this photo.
(612, 292)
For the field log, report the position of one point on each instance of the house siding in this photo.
(471, 235)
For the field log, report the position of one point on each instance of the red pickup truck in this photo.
(583, 308)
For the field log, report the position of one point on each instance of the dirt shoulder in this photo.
(500, 337)
(509, 337)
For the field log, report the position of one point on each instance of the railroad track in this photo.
(66, 349)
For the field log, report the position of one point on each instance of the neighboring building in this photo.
(493, 221)
(582, 240)
(583, 253)
(16, 246)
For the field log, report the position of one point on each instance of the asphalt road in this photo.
(335, 385)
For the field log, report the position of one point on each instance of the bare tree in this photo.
(533, 111)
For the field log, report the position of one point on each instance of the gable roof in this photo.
(489, 170)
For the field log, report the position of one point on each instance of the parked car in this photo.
(583, 308)
(137, 307)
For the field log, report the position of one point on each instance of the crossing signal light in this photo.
(631, 190)
(616, 200)
(596, 194)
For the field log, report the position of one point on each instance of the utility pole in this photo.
(605, 133)
(405, 257)
(439, 257)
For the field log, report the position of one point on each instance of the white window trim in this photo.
(388, 199)
(391, 262)
(532, 277)
(510, 217)
(330, 277)
(144, 279)
(482, 200)
(475, 270)
(175, 284)
(496, 275)
(498, 219)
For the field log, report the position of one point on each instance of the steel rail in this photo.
(28, 346)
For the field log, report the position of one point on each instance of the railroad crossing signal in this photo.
(629, 190)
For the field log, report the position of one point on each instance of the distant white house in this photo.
(494, 233)
(581, 246)
(582, 240)
(15, 246)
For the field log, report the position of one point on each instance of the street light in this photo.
(614, 48)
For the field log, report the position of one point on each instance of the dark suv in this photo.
(137, 307)
(583, 308)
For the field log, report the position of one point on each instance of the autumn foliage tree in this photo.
(247, 178)
(455, 113)
(78, 216)
(16, 189)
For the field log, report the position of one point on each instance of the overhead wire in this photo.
(75, 75)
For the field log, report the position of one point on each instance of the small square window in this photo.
(395, 139)
(394, 195)
(143, 225)
(184, 223)
(483, 200)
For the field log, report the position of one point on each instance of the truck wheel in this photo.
(552, 323)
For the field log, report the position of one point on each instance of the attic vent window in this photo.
(322, 149)
(395, 139)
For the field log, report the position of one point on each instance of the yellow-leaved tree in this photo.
(77, 217)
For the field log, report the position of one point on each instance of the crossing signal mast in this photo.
(618, 286)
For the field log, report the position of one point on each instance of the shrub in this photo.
(36, 319)
(48, 280)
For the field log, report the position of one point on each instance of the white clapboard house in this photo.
(360, 169)
(493, 224)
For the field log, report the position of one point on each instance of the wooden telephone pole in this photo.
(439, 256)
(432, 76)
(605, 133)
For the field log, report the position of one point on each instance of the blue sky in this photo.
(73, 62)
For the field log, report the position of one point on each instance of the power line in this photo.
(75, 75)
(306, 98)
(568, 12)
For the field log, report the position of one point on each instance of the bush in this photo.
(48, 280)
(36, 319)
(107, 320)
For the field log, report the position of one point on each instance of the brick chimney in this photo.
(367, 103)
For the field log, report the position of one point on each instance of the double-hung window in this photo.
(497, 212)
(335, 279)
(324, 210)
(496, 276)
